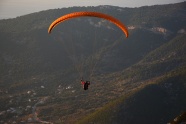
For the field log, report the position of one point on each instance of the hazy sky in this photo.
(14, 8)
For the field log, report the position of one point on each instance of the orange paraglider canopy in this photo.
(93, 14)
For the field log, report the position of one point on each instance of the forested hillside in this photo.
(159, 89)
(139, 79)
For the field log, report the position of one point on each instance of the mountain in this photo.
(155, 100)
(140, 79)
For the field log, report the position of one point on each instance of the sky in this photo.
(14, 8)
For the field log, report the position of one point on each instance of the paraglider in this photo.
(92, 14)
(85, 84)
(89, 14)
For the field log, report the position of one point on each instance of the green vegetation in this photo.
(136, 80)
(151, 103)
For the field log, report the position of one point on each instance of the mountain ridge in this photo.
(40, 73)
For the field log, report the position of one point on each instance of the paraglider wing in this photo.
(93, 14)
